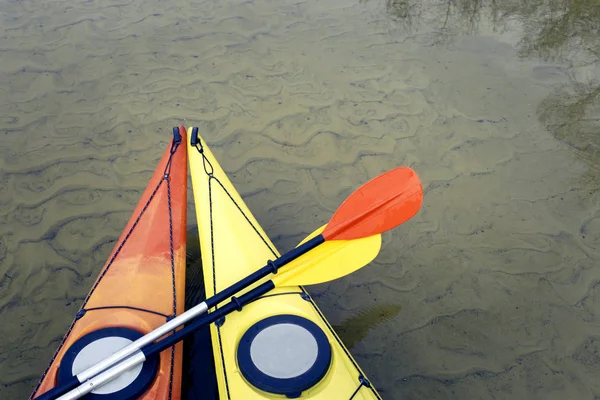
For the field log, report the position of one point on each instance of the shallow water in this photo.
(490, 292)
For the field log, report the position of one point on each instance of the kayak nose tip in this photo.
(176, 135)
(194, 137)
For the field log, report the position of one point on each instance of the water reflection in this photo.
(565, 34)
(354, 329)
(449, 20)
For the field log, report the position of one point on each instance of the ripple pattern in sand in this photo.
(497, 275)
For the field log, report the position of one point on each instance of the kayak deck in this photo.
(234, 245)
(139, 288)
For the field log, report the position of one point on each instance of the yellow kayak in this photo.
(281, 345)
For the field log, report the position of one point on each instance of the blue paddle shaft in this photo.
(270, 268)
(207, 319)
(60, 390)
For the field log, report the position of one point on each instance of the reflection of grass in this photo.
(563, 31)
(570, 118)
(354, 329)
(400, 9)
(555, 30)
(552, 27)
(569, 32)
(405, 12)
(446, 20)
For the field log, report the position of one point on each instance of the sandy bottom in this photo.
(491, 292)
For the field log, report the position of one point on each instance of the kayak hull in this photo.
(234, 245)
(142, 283)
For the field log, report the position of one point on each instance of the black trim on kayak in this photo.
(278, 294)
(175, 143)
(83, 311)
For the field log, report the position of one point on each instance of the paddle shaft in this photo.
(154, 349)
(377, 206)
(95, 370)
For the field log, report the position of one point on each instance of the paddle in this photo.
(379, 205)
(331, 260)
(342, 257)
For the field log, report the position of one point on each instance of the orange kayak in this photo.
(140, 287)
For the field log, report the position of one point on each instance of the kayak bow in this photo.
(280, 344)
(140, 287)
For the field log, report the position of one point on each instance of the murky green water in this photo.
(490, 292)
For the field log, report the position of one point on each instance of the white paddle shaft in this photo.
(104, 377)
(141, 342)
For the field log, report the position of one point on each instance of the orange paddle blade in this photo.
(381, 204)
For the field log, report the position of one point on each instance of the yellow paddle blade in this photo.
(330, 260)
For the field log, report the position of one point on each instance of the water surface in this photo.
(490, 292)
